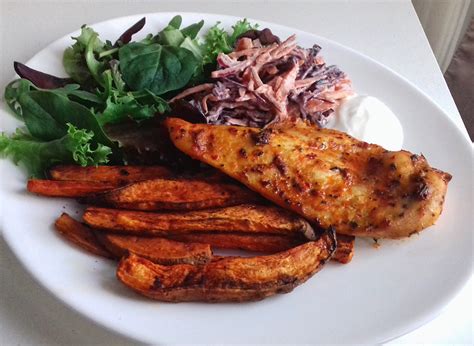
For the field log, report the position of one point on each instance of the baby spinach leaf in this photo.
(41, 106)
(192, 30)
(46, 112)
(82, 96)
(13, 91)
(170, 36)
(23, 86)
(176, 21)
(155, 67)
(38, 121)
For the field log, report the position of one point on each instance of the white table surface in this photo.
(388, 31)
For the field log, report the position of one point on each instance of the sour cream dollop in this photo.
(368, 119)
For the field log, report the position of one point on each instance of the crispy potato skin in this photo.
(80, 235)
(327, 176)
(230, 279)
(71, 189)
(166, 194)
(120, 175)
(345, 249)
(157, 250)
(270, 243)
(247, 218)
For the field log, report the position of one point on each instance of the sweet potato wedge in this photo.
(120, 175)
(230, 279)
(66, 188)
(248, 218)
(166, 194)
(345, 248)
(80, 235)
(270, 243)
(158, 250)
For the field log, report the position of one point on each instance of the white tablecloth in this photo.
(388, 31)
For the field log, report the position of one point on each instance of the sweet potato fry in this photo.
(270, 243)
(345, 248)
(165, 194)
(80, 235)
(230, 279)
(65, 188)
(120, 175)
(157, 250)
(252, 219)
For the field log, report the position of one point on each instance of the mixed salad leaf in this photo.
(108, 83)
(218, 40)
(37, 155)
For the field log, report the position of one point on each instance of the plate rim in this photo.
(422, 319)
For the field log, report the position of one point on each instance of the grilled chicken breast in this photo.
(327, 176)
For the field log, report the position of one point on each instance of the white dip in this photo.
(368, 119)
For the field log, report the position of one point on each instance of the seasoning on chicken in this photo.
(326, 176)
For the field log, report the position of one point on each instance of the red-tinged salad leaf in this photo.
(126, 37)
(265, 36)
(37, 156)
(186, 111)
(40, 79)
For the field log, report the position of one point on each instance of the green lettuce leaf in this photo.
(241, 27)
(217, 40)
(74, 57)
(37, 156)
(122, 107)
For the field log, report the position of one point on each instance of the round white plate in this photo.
(382, 294)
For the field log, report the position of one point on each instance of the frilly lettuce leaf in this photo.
(37, 156)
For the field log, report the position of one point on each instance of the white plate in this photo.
(382, 294)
